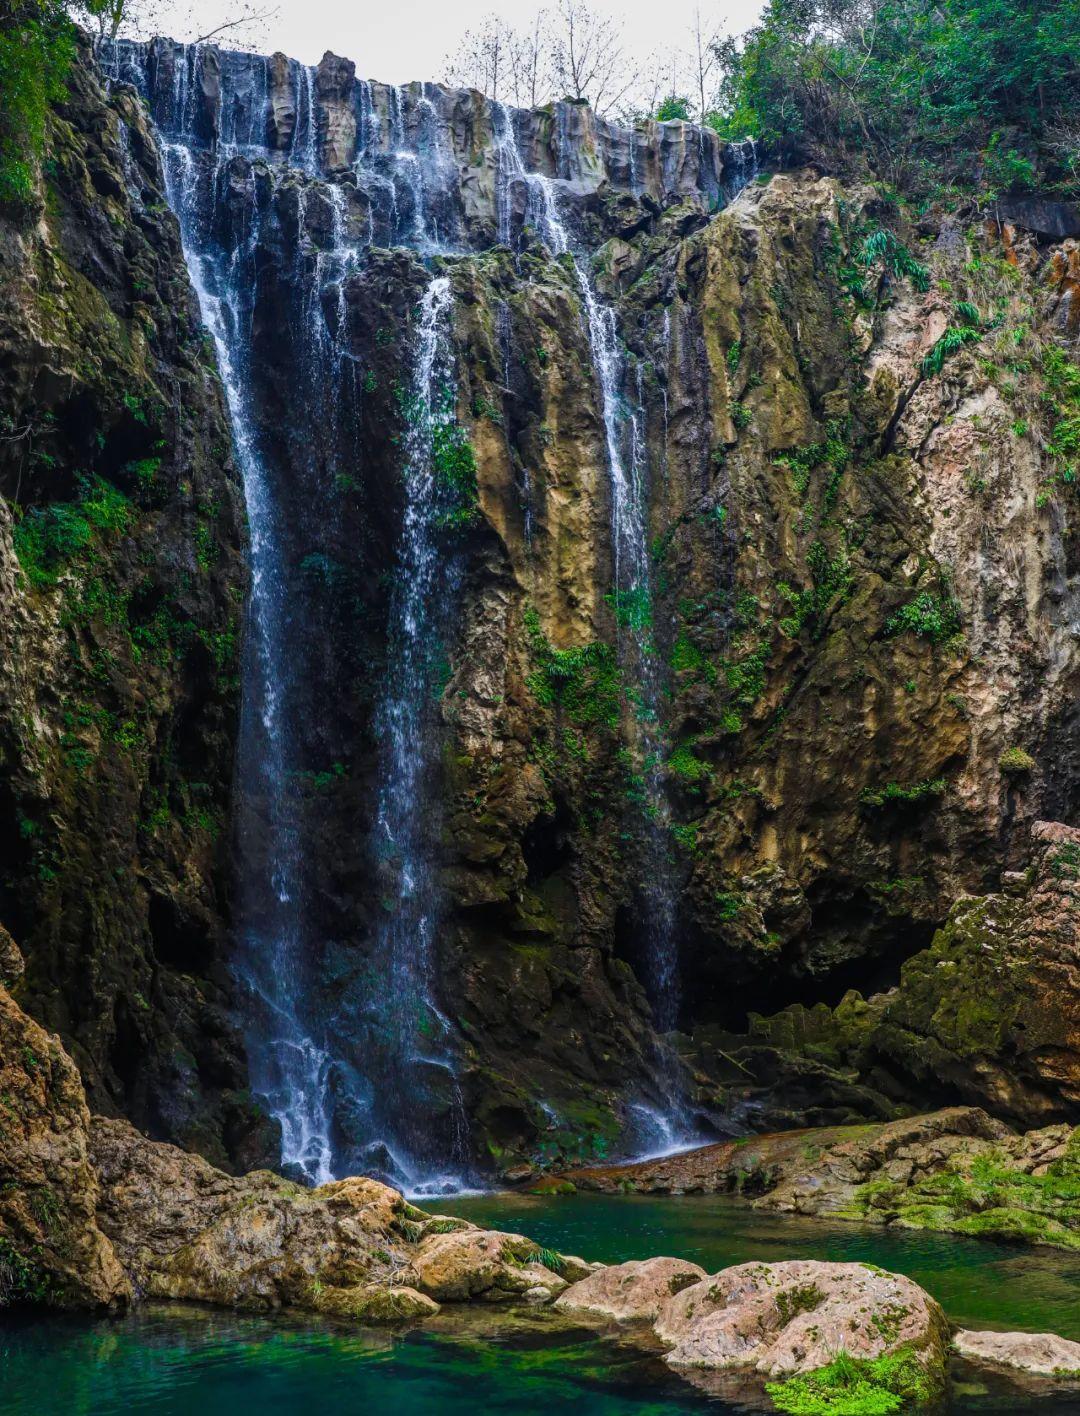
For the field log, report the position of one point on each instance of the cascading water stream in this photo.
(632, 579)
(415, 1041)
(289, 1067)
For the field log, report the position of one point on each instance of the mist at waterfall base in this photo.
(282, 178)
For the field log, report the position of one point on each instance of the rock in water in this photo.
(794, 1317)
(632, 1291)
(1042, 1353)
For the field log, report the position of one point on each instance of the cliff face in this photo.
(663, 612)
(122, 578)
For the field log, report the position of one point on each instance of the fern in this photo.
(954, 339)
(881, 245)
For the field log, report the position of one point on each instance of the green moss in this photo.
(686, 767)
(49, 538)
(985, 1194)
(1015, 761)
(585, 682)
(851, 1386)
(896, 794)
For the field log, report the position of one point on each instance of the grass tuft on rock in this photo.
(851, 1386)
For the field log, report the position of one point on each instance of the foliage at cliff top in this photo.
(36, 47)
(981, 95)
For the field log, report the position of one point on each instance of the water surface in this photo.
(185, 1361)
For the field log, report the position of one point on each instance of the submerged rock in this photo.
(1041, 1353)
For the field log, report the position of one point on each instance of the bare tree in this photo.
(530, 63)
(142, 17)
(484, 59)
(705, 49)
(589, 61)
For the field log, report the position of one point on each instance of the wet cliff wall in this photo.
(123, 579)
(665, 609)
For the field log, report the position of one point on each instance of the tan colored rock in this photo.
(373, 1303)
(11, 960)
(479, 1263)
(51, 1248)
(634, 1291)
(794, 1317)
(1042, 1353)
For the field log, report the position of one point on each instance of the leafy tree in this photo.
(915, 90)
(674, 107)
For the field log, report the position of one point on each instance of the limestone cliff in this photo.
(746, 637)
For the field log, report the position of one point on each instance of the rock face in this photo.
(121, 588)
(744, 662)
(1042, 1353)
(51, 1248)
(988, 1013)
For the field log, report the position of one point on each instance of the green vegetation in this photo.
(894, 794)
(584, 682)
(48, 538)
(933, 617)
(851, 1386)
(1015, 761)
(950, 343)
(673, 107)
(454, 465)
(930, 96)
(36, 48)
(988, 1195)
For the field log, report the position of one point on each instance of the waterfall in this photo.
(632, 591)
(369, 1080)
(413, 1035)
(289, 1066)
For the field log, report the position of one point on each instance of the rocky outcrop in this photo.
(957, 1169)
(1040, 1353)
(630, 1292)
(775, 1319)
(51, 1247)
(987, 1014)
(121, 587)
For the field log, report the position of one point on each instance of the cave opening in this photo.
(850, 943)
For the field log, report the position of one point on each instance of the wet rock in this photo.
(794, 1317)
(630, 1292)
(1041, 1353)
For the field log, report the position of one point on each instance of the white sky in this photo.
(399, 40)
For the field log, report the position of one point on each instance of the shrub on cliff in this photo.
(36, 47)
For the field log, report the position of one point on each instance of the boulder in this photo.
(11, 960)
(793, 1317)
(1041, 1353)
(634, 1291)
(481, 1263)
